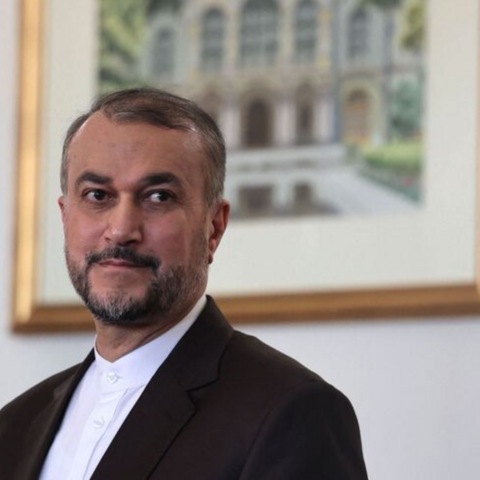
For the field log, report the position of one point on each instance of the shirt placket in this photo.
(97, 423)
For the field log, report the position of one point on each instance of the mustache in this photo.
(123, 253)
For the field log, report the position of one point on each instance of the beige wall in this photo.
(415, 384)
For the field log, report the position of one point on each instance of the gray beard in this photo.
(167, 291)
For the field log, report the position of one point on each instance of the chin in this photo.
(128, 286)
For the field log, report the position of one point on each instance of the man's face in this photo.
(139, 235)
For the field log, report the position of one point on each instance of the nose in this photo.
(124, 225)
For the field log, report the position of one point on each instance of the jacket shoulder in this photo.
(35, 398)
(306, 428)
(257, 374)
(255, 359)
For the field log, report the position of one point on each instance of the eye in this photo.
(95, 195)
(160, 196)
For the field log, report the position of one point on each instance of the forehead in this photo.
(122, 148)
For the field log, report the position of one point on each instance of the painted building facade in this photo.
(290, 82)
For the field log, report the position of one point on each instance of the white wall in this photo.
(415, 384)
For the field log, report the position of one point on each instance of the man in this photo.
(171, 391)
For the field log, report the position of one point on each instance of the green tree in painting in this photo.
(406, 110)
(121, 35)
(413, 31)
(408, 98)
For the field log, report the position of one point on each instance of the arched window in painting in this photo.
(257, 125)
(357, 118)
(306, 31)
(212, 104)
(213, 39)
(304, 199)
(304, 123)
(255, 201)
(259, 32)
(358, 34)
(305, 105)
(164, 54)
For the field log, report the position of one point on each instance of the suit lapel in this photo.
(148, 431)
(165, 406)
(43, 429)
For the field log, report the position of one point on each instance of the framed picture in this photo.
(351, 129)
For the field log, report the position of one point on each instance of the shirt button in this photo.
(99, 422)
(112, 377)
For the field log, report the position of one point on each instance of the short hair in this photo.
(163, 109)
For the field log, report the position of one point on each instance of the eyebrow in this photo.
(159, 178)
(147, 181)
(92, 177)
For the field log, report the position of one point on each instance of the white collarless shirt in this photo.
(102, 401)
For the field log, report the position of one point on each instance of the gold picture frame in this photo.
(31, 315)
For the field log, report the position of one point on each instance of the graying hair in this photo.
(162, 109)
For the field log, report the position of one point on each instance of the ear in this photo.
(220, 215)
(61, 204)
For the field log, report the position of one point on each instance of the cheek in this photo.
(168, 244)
(172, 242)
(81, 235)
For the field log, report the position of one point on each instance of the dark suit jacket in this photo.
(223, 406)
